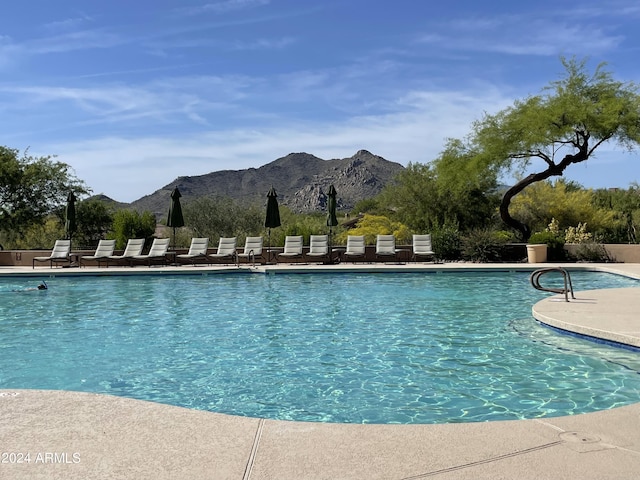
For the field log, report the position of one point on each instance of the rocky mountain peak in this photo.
(300, 179)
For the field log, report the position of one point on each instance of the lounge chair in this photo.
(104, 250)
(226, 251)
(197, 251)
(134, 247)
(157, 253)
(355, 247)
(422, 247)
(386, 247)
(252, 249)
(292, 247)
(61, 253)
(318, 247)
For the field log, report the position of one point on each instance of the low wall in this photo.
(24, 258)
(620, 253)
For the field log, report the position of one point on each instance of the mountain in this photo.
(110, 202)
(300, 179)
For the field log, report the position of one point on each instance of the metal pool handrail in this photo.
(568, 287)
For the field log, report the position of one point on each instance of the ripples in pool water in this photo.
(360, 348)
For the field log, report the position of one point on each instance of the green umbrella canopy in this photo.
(175, 218)
(70, 215)
(332, 220)
(273, 213)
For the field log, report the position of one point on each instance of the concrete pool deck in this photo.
(72, 435)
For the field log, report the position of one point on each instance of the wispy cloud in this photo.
(264, 44)
(95, 101)
(12, 52)
(67, 35)
(522, 35)
(79, 40)
(225, 6)
(71, 23)
(177, 101)
(621, 9)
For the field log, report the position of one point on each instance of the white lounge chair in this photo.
(197, 251)
(318, 247)
(157, 253)
(61, 253)
(252, 249)
(386, 247)
(422, 247)
(226, 251)
(104, 250)
(134, 247)
(292, 247)
(355, 247)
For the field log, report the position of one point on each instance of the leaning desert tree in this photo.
(562, 126)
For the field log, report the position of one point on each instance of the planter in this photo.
(537, 253)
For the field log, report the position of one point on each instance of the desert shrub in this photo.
(592, 252)
(482, 245)
(447, 244)
(372, 225)
(504, 236)
(554, 240)
(578, 234)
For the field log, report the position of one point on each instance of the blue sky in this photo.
(133, 94)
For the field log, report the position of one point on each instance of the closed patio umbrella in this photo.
(272, 219)
(70, 225)
(175, 219)
(332, 220)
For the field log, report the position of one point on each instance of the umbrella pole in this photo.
(71, 262)
(330, 248)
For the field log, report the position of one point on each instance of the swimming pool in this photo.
(344, 347)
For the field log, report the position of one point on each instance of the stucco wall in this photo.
(622, 253)
(516, 252)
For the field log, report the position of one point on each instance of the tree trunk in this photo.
(553, 170)
(523, 230)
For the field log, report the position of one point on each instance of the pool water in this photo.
(344, 347)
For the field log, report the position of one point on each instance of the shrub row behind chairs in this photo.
(319, 250)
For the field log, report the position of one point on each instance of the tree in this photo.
(425, 198)
(216, 217)
(40, 235)
(131, 224)
(94, 221)
(412, 198)
(625, 205)
(560, 127)
(563, 202)
(31, 188)
(467, 192)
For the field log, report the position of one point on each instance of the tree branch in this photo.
(554, 170)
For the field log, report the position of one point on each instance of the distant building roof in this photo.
(352, 223)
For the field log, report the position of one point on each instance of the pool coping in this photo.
(91, 436)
